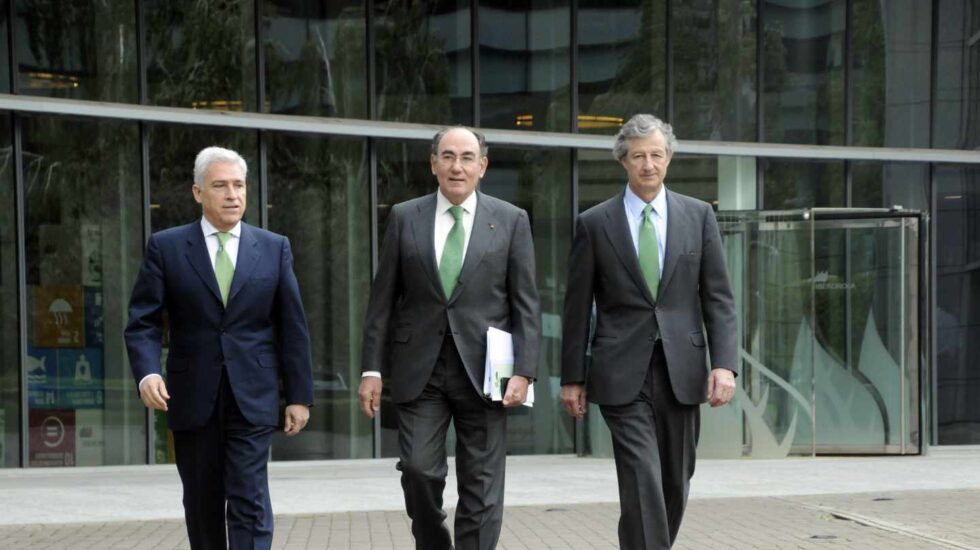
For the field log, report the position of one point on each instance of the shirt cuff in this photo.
(370, 374)
(140, 386)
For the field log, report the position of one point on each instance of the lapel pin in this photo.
(492, 226)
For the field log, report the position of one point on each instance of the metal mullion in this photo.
(20, 205)
(372, 158)
(760, 81)
(848, 80)
(370, 76)
(141, 85)
(144, 137)
(668, 63)
(11, 43)
(573, 73)
(475, 60)
(259, 57)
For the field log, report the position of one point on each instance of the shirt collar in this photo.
(210, 229)
(635, 204)
(443, 205)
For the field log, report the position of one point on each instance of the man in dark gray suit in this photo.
(453, 264)
(651, 261)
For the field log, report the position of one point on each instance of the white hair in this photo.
(211, 155)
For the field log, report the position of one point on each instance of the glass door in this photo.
(829, 324)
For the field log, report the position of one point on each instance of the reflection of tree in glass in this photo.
(326, 77)
(82, 50)
(413, 67)
(639, 83)
(200, 54)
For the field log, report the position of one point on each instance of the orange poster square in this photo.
(59, 317)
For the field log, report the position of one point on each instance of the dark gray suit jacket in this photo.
(408, 311)
(694, 289)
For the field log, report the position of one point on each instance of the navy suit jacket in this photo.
(261, 337)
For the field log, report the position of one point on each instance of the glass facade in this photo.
(752, 88)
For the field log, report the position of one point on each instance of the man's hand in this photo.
(573, 399)
(154, 393)
(516, 392)
(721, 386)
(295, 419)
(370, 395)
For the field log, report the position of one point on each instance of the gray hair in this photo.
(442, 133)
(641, 126)
(211, 155)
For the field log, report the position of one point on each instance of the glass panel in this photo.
(78, 50)
(172, 152)
(404, 173)
(201, 54)
(804, 71)
(890, 72)
(9, 307)
(319, 198)
(713, 44)
(539, 181)
(956, 118)
(84, 240)
(889, 184)
(423, 61)
(864, 301)
(957, 315)
(772, 413)
(524, 64)
(791, 184)
(621, 62)
(315, 58)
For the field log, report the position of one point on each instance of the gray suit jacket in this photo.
(408, 311)
(694, 292)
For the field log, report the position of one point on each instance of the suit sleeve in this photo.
(717, 302)
(145, 327)
(522, 292)
(294, 336)
(381, 305)
(577, 317)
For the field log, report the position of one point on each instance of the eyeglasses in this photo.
(466, 160)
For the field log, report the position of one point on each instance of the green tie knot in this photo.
(223, 237)
(646, 212)
(457, 212)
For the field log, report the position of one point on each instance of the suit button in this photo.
(440, 333)
(651, 338)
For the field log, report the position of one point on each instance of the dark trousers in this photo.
(654, 441)
(222, 466)
(481, 452)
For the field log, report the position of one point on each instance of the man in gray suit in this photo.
(651, 261)
(453, 264)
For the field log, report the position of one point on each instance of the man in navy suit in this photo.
(237, 328)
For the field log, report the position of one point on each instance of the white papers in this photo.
(500, 365)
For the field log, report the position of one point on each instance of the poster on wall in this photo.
(89, 437)
(80, 379)
(52, 438)
(59, 316)
(94, 336)
(42, 378)
(91, 235)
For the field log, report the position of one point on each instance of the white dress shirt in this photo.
(444, 223)
(634, 216)
(211, 239)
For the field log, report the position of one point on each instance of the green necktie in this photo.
(649, 252)
(223, 269)
(452, 253)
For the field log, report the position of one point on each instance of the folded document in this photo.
(500, 366)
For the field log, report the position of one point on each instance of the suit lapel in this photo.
(675, 231)
(248, 258)
(482, 235)
(618, 233)
(200, 260)
(423, 231)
